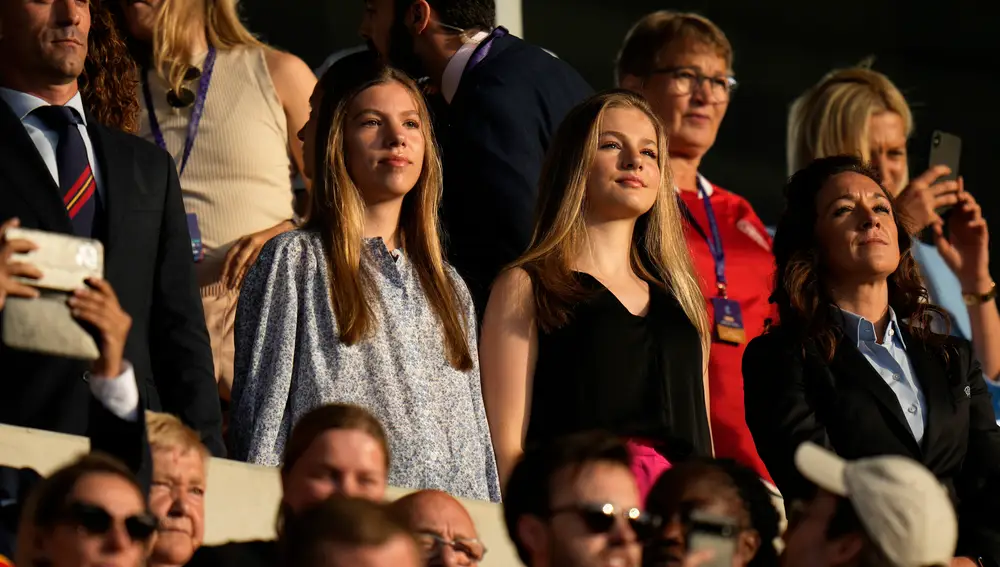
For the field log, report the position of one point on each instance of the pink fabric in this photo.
(647, 465)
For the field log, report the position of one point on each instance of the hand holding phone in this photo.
(14, 273)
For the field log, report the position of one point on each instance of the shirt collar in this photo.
(860, 330)
(705, 184)
(456, 66)
(24, 104)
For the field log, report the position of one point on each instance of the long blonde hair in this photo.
(832, 118)
(659, 252)
(176, 20)
(338, 212)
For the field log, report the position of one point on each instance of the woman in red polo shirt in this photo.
(682, 64)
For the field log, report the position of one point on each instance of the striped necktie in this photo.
(76, 179)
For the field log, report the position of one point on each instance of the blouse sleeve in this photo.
(265, 335)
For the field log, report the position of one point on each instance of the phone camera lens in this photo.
(937, 140)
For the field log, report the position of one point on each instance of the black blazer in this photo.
(847, 407)
(494, 136)
(147, 261)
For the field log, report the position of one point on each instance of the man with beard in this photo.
(573, 502)
(61, 171)
(497, 102)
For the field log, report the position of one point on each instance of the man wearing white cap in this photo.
(886, 511)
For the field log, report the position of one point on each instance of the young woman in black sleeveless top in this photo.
(601, 324)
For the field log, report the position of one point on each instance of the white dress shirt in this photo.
(121, 393)
(456, 66)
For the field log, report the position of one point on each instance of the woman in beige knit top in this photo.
(228, 108)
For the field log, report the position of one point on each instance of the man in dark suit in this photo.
(62, 172)
(498, 103)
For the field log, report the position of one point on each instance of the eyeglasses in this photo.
(95, 520)
(683, 81)
(433, 544)
(600, 518)
(184, 97)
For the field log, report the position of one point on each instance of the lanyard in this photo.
(199, 108)
(715, 242)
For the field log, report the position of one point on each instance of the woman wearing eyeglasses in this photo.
(92, 512)
(682, 64)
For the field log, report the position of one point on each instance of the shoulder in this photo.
(768, 347)
(290, 75)
(142, 149)
(234, 553)
(513, 282)
(290, 249)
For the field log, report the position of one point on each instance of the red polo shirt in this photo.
(749, 273)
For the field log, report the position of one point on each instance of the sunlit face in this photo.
(692, 120)
(624, 178)
(435, 516)
(46, 39)
(399, 551)
(140, 17)
(68, 544)
(177, 498)
(307, 134)
(567, 541)
(856, 229)
(887, 140)
(385, 142)
(340, 461)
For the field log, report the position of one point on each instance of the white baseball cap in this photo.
(904, 509)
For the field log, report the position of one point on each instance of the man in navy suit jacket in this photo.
(497, 102)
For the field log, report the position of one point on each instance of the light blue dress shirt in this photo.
(45, 139)
(889, 359)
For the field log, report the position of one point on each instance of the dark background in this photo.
(944, 59)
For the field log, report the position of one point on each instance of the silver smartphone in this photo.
(717, 533)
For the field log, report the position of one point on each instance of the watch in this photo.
(974, 299)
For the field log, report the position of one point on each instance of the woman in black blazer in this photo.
(853, 366)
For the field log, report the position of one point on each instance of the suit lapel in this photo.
(848, 361)
(118, 179)
(26, 174)
(932, 378)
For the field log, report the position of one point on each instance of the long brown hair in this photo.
(659, 252)
(803, 300)
(338, 209)
(108, 82)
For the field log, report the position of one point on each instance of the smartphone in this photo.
(65, 261)
(946, 149)
(718, 533)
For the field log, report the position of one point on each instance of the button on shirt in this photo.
(889, 359)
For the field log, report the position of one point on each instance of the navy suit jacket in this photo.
(494, 136)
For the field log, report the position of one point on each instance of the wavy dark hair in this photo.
(799, 292)
(108, 84)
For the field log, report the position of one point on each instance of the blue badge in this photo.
(196, 248)
(728, 321)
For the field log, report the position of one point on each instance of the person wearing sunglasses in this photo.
(682, 64)
(443, 527)
(573, 502)
(722, 488)
(91, 512)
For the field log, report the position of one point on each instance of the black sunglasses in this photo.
(600, 518)
(185, 97)
(95, 520)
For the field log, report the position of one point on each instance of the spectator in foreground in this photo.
(348, 532)
(682, 64)
(884, 511)
(573, 502)
(66, 173)
(443, 527)
(360, 306)
(334, 450)
(177, 494)
(91, 512)
(498, 105)
(601, 324)
(228, 108)
(861, 112)
(854, 365)
(719, 487)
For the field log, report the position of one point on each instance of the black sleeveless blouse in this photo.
(636, 377)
